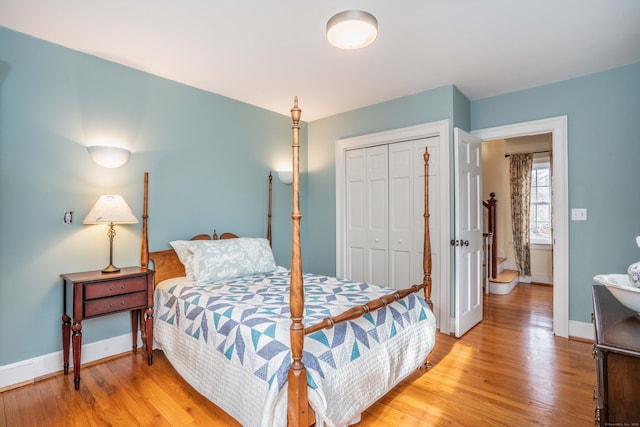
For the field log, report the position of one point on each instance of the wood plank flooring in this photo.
(507, 371)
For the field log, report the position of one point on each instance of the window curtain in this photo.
(520, 173)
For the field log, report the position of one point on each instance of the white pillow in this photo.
(214, 260)
(185, 254)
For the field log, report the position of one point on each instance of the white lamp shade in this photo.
(109, 157)
(352, 29)
(285, 177)
(110, 209)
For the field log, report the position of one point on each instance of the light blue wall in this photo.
(603, 151)
(208, 158)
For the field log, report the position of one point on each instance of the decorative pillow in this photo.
(214, 260)
(185, 254)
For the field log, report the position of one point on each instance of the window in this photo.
(540, 215)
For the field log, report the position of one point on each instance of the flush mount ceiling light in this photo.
(109, 157)
(352, 29)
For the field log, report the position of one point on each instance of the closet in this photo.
(384, 188)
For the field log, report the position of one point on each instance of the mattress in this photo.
(230, 341)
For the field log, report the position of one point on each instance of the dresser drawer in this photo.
(100, 306)
(114, 287)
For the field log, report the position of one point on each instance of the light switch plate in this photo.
(579, 214)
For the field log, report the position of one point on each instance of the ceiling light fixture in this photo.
(352, 29)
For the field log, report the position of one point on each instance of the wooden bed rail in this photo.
(358, 311)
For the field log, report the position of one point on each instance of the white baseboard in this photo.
(581, 330)
(26, 371)
(547, 280)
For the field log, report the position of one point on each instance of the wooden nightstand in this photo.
(96, 294)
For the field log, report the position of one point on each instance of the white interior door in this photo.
(468, 231)
(378, 215)
(367, 224)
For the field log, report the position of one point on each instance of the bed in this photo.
(276, 347)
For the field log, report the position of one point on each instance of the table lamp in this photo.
(110, 209)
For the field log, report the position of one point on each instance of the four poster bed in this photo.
(239, 329)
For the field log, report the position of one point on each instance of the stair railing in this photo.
(491, 234)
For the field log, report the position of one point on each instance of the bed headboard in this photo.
(166, 262)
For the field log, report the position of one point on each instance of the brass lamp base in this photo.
(110, 269)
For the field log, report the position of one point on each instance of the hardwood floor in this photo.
(507, 371)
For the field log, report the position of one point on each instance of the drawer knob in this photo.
(121, 302)
(110, 304)
(111, 288)
(123, 287)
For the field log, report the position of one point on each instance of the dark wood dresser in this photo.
(617, 353)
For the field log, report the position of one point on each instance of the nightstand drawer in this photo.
(114, 287)
(117, 303)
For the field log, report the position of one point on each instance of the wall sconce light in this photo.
(110, 209)
(285, 177)
(109, 157)
(352, 29)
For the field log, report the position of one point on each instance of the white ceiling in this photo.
(265, 52)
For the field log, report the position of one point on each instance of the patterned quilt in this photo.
(231, 341)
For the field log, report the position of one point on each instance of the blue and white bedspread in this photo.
(231, 342)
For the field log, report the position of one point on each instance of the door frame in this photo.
(441, 129)
(557, 126)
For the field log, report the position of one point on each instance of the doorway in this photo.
(496, 181)
(557, 127)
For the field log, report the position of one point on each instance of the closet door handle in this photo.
(377, 239)
(400, 241)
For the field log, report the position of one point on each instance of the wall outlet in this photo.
(578, 214)
(67, 218)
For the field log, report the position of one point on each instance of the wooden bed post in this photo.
(269, 214)
(297, 401)
(426, 254)
(144, 250)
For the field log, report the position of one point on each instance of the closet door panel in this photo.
(357, 251)
(400, 213)
(378, 217)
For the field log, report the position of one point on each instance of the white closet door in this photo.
(406, 210)
(356, 218)
(377, 209)
(367, 216)
(385, 207)
(401, 213)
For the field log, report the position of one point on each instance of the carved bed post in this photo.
(269, 213)
(144, 250)
(297, 402)
(426, 254)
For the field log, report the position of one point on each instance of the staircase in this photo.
(498, 279)
(505, 280)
